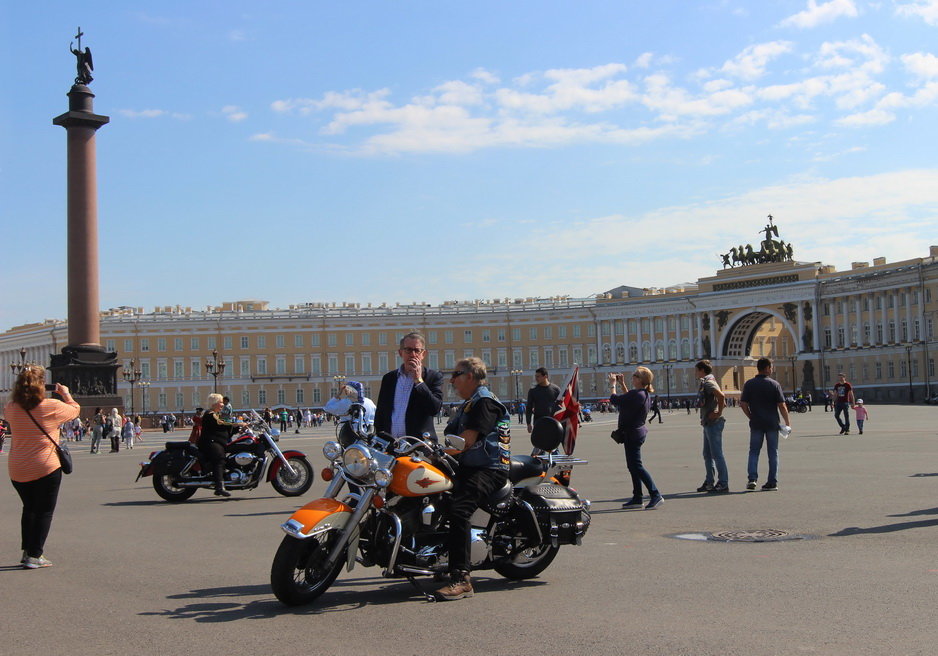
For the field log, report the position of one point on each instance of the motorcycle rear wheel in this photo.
(165, 486)
(293, 485)
(528, 563)
(296, 575)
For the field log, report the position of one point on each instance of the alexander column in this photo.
(88, 370)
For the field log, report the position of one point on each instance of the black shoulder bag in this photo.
(61, 450)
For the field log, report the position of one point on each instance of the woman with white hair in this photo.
(116, 423)
(213, 438)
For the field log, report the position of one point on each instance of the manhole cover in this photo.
(742, 535)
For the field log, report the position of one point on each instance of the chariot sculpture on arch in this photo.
(771, 250)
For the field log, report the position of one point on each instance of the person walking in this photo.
(843, 400)
(633, 406)
(655, 409)
(862, 414)
(128, 432)
(33, 464)
(763, 401)
(712, 402)
(542, 398)
(97, 430)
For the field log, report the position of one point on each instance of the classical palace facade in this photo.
(874, 322)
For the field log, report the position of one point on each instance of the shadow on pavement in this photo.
(921, 475)
(885, 528)
(333, 600)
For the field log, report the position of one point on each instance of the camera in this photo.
(50, 387)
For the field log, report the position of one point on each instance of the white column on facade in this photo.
(698, 336)
(858, 306)
(816, 324)
(625, 338)
(599, 341)
(714, 332)
(908, 316)
(833, 316)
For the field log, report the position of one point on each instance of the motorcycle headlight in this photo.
(382, 478)
(358, 462)
(331, 450)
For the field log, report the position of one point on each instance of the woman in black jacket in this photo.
(633, 410)
(213, 438)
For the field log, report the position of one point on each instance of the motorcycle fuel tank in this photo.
(417, 478)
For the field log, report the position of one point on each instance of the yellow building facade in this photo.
(874, 322)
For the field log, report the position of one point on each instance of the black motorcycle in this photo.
(252, 457)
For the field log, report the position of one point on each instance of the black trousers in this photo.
(472, 487)
(640, 475)
(214, 452)
(39, 498)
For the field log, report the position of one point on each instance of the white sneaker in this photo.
(36, 563)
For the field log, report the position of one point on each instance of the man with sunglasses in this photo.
(411, 395)
(485, 425)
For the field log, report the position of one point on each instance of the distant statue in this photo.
(726, 260)
(84, 63)
(770, 229)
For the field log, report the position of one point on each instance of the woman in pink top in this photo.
(33, 463)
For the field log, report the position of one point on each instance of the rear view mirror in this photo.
(546, 434)
(455, 442)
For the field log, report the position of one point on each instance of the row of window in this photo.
(891, 368)
(901, 299)
(894, 335)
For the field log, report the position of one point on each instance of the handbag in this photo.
(618, 436)
(61, 450)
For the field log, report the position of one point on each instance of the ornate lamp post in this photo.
(793, 358)
(517, 374)
(215, 367)
(338, 380)
(667, 372)
(144, 392)
(17, 367)
(131, 376)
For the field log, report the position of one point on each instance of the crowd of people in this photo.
(410, 401)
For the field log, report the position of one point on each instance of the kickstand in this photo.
(426, 595)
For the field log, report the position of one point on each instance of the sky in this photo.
(424, 151)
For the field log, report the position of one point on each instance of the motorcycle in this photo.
(180, 469)
(393, 514)
(797, 405)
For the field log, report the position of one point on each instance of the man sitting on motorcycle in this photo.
(484, 423)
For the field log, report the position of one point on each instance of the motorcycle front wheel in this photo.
(293, 485)
(165, 486)
(297, 575)
(528, 563)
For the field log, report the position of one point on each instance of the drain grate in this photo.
(742, 535)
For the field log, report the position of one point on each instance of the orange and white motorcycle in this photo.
(393, 514)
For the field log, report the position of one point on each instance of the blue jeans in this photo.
(771, 447)
(640, 475)
(713, 452)
(845, 409)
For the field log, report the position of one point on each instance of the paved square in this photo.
(136, 575)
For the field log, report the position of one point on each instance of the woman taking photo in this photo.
(633, 409)
(33, 463)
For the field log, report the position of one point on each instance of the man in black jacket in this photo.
(542, 398)
(411, 395)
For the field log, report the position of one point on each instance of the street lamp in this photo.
(131, 376)
(17, 367)
(908, 356)
(793, 358)
(667, 372)
(517, 374)
(144, 392)
(339, 381)
(215, 367)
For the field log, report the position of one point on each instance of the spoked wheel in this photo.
(165, 486)
(297, 575)
(528, 563)
(293, 485)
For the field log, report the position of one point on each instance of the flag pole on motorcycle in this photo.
(568, 411)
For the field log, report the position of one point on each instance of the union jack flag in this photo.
(568, 412)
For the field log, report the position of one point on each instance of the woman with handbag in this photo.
(34, 464)
(633, 408)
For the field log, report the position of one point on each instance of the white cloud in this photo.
(143, 113)
(921, 64)
(750, 63)
(816, 14)
(234, 113)
(927, 10)
(485, 76)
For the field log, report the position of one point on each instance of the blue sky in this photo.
(430, 151)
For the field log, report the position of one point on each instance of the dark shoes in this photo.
(706, 487)
(751, 485)
(770, 487)
(635, 503)
(459, 586)
(222, 492)
(719, 488)
(654, 502)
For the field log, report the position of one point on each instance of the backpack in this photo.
(108, 426)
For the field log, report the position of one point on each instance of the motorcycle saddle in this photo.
(181, 446)
(523, 467)
(498, 499)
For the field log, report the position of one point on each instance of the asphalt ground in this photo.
(136, 575)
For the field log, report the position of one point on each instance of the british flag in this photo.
(568, 412)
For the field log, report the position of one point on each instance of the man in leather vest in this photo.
(485, 425)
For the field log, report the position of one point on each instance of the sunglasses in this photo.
(456, 374)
